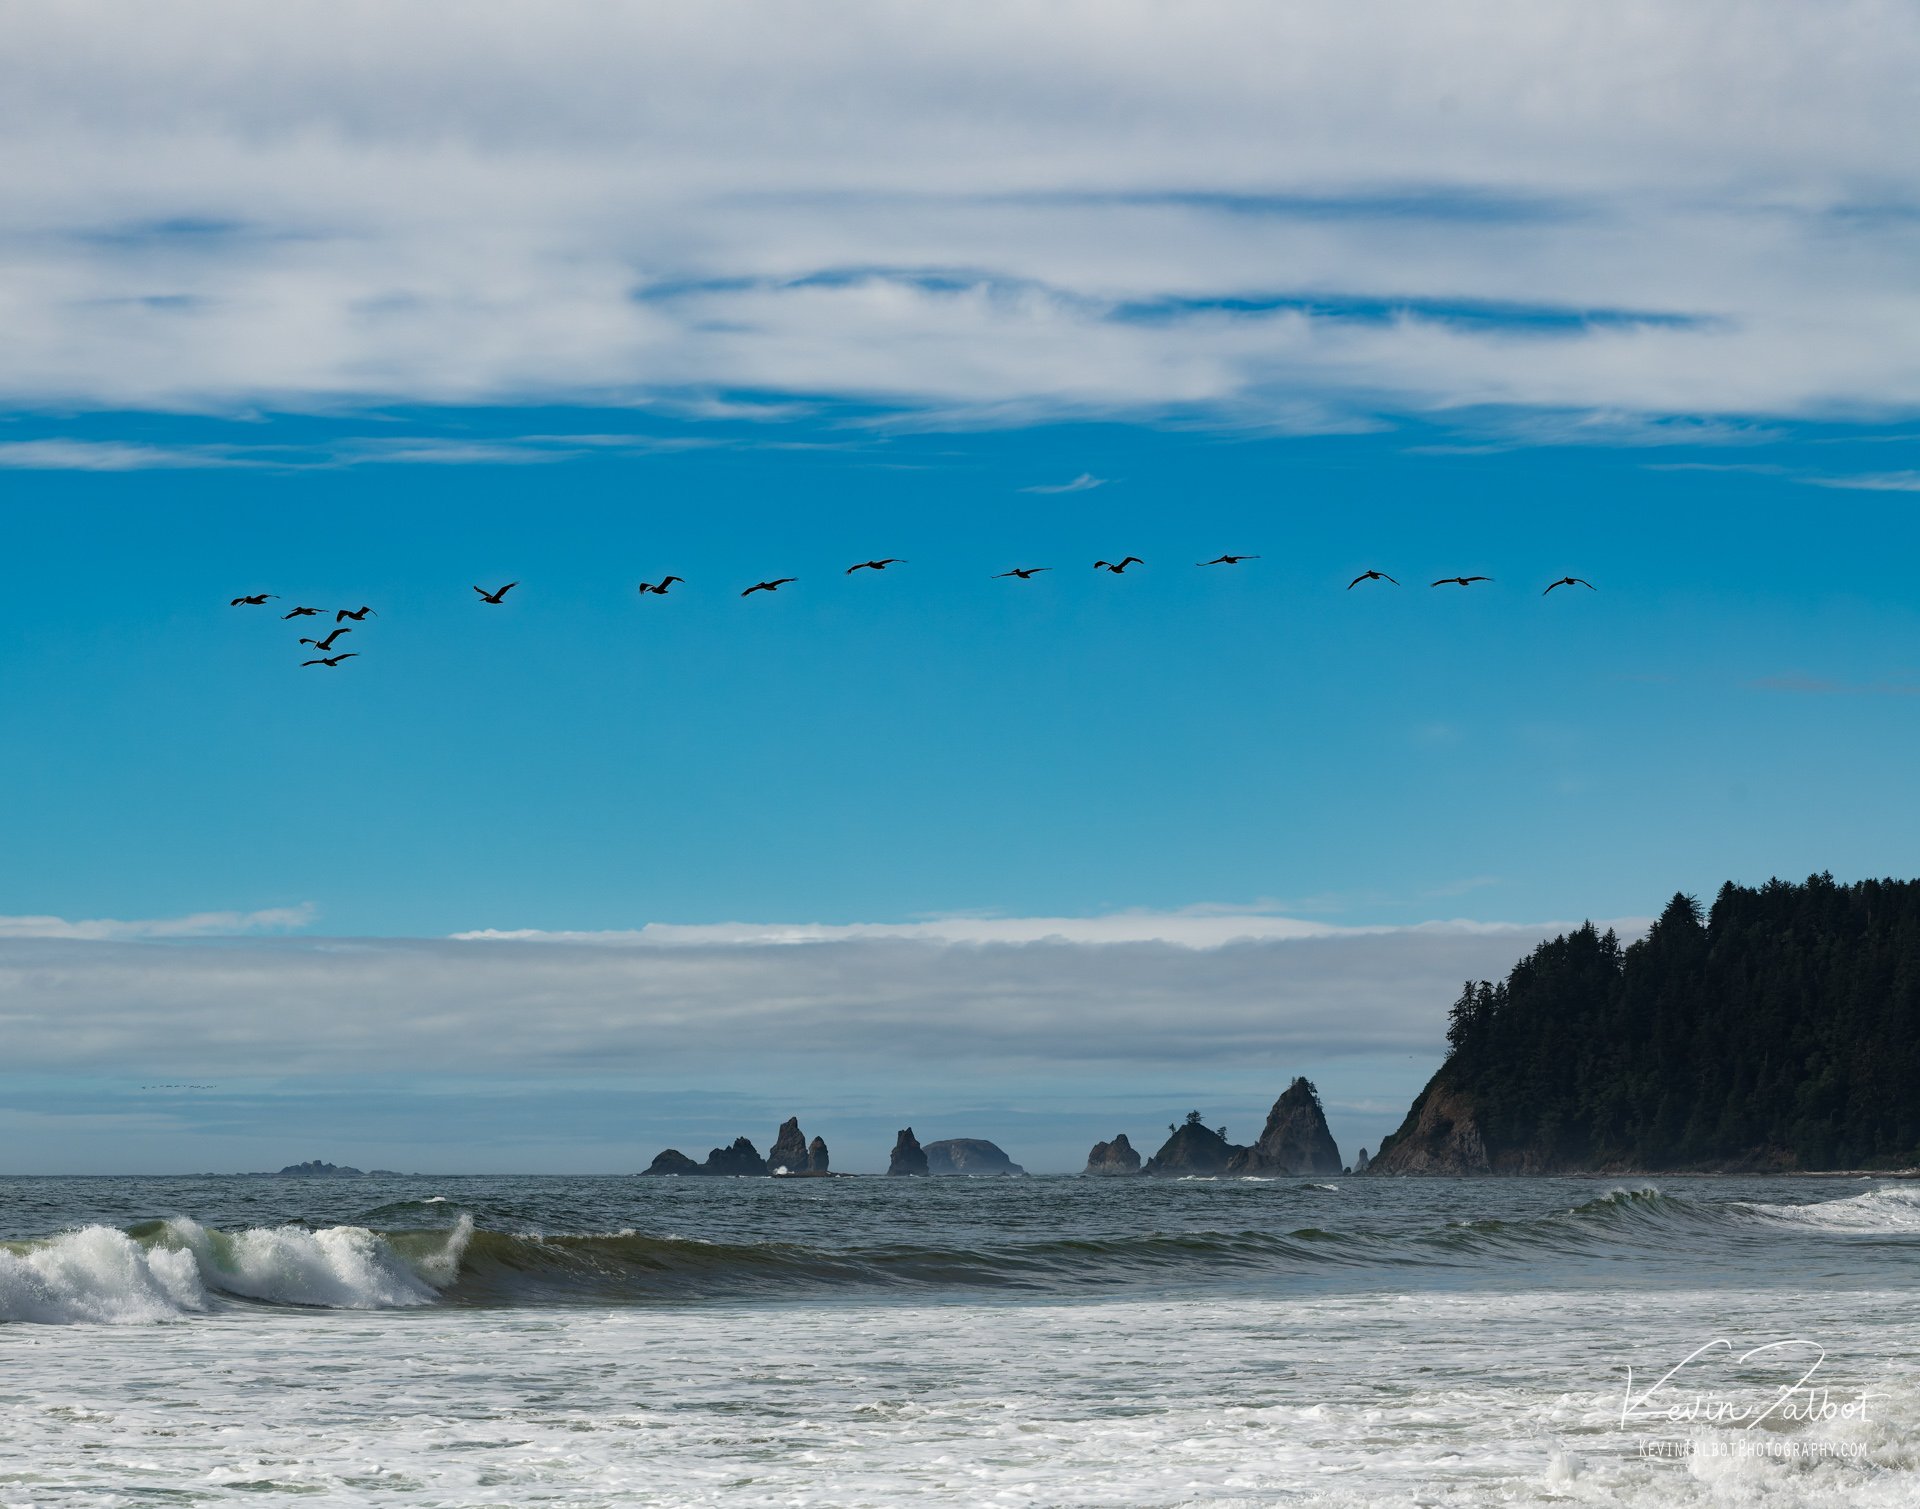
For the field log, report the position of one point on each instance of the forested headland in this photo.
(1778, 1030)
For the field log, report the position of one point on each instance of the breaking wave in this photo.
(163, 1270)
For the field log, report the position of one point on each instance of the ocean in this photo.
(1041, 1341)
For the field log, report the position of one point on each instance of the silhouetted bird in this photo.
(358, 615)
(892, 560)
(1571, 581)
(659, 589)
(1371, 576)
(494, 597)
(1025, 573)
(1459, 581)
(1132, 560)
(323, 645)
(1227, 560)
(254, 601)
(332, 659)
(773, 586)
(302, 613)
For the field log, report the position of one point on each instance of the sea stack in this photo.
(1295, 1140)
(788, 1155)
(817, 1156)
(1360, 1161)
(968, 1155)
(908, 1156)
(1194, 1151)
(741, 1158)
(1115, 1157)
(673, 1161)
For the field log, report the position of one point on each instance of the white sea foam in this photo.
(1120, 1404)
(1892, 1208)
(337, 1268)
(101, 1274)
(97, 1274)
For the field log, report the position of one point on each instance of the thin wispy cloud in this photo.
(193, 925)
(87, 455)
(1872, 482)
(1085, 482)
(1820, 686)
(1198, 927)
(109, 456)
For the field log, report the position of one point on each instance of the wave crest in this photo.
(162, 1270)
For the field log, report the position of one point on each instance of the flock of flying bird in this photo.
(359, 615)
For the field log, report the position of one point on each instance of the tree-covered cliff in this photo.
(1782, 1029)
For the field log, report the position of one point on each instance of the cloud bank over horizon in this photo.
(1282, 219)
(1123, 992)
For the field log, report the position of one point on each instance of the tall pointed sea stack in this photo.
(788, 1155)
(817, 1156)
(1296, 1139)
(908, 1156)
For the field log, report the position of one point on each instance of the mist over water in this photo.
(1056, 1340)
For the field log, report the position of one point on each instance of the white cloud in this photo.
(195, 925)
(106, 456)
(1196, 927)
(1874, 482)
(1085, 482)
(1293, 213)
(720, 1002)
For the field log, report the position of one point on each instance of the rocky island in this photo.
(792, 1155)
(1295, 1140)
(1109, 1159)
(950, 1156)
(968, 1155)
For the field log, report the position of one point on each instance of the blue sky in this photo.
(932, 741)
(370, 321)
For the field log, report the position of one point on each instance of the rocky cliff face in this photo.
(1295, 1140)
(908, 1156)
(1115, 1157)
(968, 1155)
(1441, 1135)
(1193, 1150)
(817, 1156)
(788, 1155)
